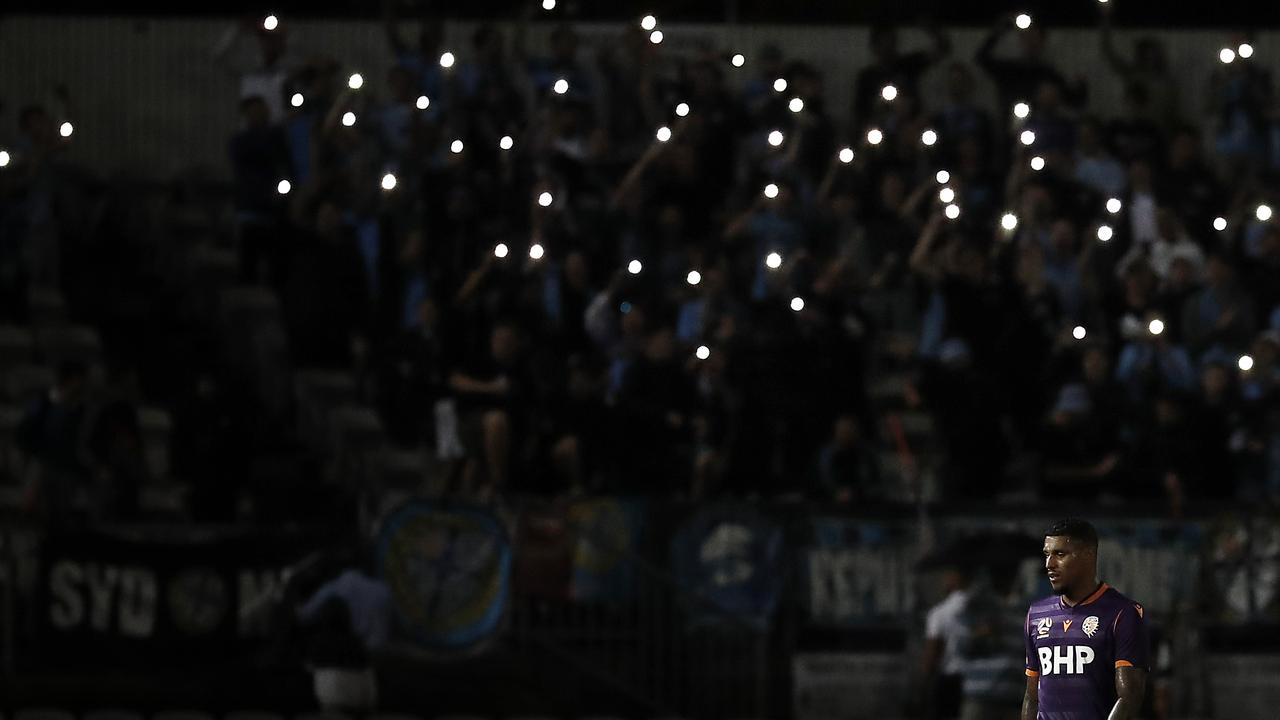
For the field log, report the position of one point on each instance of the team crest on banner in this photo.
(731, 558)
(1244, 557)
(198, 600)
(449, 571)
(607, 533)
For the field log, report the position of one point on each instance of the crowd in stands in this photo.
(616, 268)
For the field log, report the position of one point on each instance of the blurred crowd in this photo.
(616, 267)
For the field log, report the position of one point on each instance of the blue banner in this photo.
(1243, 557)
(730, 557)
(607, 536)
(449, 571)
(858, 572)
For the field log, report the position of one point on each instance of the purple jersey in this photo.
(1074, 651)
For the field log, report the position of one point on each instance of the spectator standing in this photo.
(946, 632)
(1147, 70)
(53, 433)
(260, 161)
(891, 67)
(262, 73)
(350, 619)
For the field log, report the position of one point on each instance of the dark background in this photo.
(1236, 14)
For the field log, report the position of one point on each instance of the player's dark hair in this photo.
(1081, 531)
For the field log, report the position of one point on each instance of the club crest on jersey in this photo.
(1043, 627)
(1090, 625)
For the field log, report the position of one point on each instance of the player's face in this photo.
(1065, 562)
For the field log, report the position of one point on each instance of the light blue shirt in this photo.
(369, 600)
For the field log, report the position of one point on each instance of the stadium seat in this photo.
(12, 497)
(357, 438)
(355, 423)
(317, 392)
(16, 346)
(71, 343)
(209, 270)
(355, 428)
(44, 713)
(170, 500)
(252, 715)
(24, 382)
(112, 715)
(240, 306)
(12, 461)
(182, 715)
(46, 307)
(323, 716)
(887, 391)
(155, 425)
(333, 388)
(401, 469)
(917, 424)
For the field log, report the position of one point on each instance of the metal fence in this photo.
(656, 644)
(649, 648)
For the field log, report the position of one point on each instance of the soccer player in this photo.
(1087, 644)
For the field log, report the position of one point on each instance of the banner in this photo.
(1155, 562)
(607, 534)
(147, 598)
(1243, 557)
(729, 557)
(1244, 685)
(449, 571)
(847, 686)
(858, 572)
(543, 552)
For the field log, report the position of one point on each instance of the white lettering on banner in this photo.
(1158, 575)
(256, 589)
(67, 610)
(842, 580)
(127, 600)
(102, 585)
(127, 592)
(1244, 685)
(137, 602)
(1065, 659)
(847, 686)
(1144, 572)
